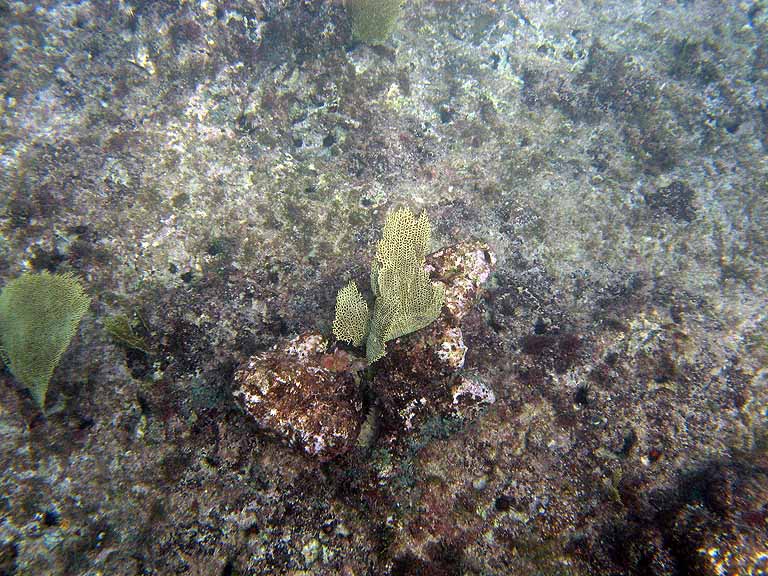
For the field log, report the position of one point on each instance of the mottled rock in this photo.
(463, 268)
(452, 349)
(301, 394)
(471, 392)
(724, 532)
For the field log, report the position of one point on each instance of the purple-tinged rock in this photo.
(452, 349)
(302, 395)
(471, 392)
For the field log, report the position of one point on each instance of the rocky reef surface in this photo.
(216, 171)
(312, 397)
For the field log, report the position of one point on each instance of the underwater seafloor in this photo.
(216, 172)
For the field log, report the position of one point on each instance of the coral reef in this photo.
(220, 170)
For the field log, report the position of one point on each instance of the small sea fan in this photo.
(406, 299)
(39, 315)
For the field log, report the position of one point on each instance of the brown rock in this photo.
(295, 393)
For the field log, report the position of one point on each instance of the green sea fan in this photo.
(373, 20)
(39, 315)
(352, 316)
(405, 298)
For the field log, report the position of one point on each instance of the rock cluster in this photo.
(421, 375)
